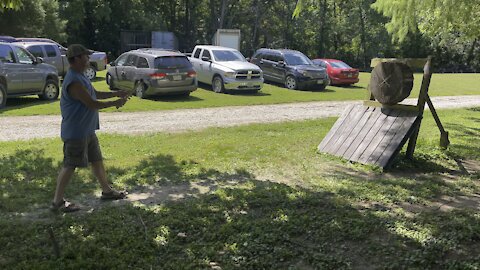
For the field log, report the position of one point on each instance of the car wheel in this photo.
(217, 85)
(51, 90)
(109, 80)
(291, 82)
(3, 96)
(90, 73)
(140, 90)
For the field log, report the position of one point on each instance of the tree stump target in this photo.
(391, 83)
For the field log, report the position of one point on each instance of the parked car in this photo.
(291, 68)
(98, 60)
(50, 54)
(152, 72)
(22, 74)
(338, 72)
(225, 69)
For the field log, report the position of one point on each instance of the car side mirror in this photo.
(248, 59)
(112, 64)
(204, 58)
(281, 63)
(38, 60)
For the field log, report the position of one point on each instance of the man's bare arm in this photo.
(79, 92)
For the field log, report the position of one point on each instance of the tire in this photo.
(291, 82)
(50, 91)
(217, 85)
(140, 90)
(109, 81)
(90, 73)
(3, 96)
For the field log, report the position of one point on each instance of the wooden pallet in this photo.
(370, 134)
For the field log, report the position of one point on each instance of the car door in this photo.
(206, 67)
(129, 70)
(119, 65)
(278, 68)
(13, 69)
(267, 66)
(32, 75)
(53, 57)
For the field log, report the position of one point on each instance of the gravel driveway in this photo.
(29, 127)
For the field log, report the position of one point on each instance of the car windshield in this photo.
(339, 65)
(224, 56)
(297, 59)
(172, 62)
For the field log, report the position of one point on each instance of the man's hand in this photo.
(120, 102)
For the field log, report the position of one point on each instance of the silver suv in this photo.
(21, 74)
(152, 72)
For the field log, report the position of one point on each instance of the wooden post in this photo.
(422, 98)
(444, 141)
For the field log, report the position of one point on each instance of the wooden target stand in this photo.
(374, 133)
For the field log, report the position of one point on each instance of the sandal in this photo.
(114, 195)
(64, 207)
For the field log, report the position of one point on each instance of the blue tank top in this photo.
(78, 121)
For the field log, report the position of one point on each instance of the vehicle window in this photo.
(224, 56)
(172, 62)
(339, 65)
(197, 53)
(278, 58)
(50, 50)
(267, 56)
(206, 53)
(121, 60)
(36, 51)
(131, 60)
(6, 54)
(142, 62)
(295, 59)
(320, 63)
(257, 56)
(23, 56)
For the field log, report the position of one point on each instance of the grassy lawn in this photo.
(441, 85)
(273, 203)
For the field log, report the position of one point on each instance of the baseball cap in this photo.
(77, 50)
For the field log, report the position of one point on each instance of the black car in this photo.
(291, 68)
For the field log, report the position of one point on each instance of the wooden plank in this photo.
(349, 126)
(334, 128)
(371, 134)
(374, 114)
(397, 142)
(405, 107)
(383, 128)
(353, 135)
(414, 63)
(389, 136)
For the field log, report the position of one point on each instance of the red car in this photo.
(338, 71)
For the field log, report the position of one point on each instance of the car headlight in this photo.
(230, 74)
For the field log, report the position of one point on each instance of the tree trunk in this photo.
(363, 35)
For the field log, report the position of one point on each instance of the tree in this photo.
(431, 17)
(10, 4)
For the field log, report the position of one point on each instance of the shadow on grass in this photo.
(24, 102)
(175, 98)
(248, 224)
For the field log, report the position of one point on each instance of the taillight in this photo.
(192, 74)
(158, 76)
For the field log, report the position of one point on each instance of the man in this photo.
(79, 104)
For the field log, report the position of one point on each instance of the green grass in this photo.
(278, 203)
(441, 85)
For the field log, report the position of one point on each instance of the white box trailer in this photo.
(227, 38)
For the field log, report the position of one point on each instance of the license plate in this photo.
(246, 84)
(350, 75)
(320, 82)
(177, 77)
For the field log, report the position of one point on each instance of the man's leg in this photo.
(98, 170)
(63, 178)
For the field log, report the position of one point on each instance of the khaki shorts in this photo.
(78, 153)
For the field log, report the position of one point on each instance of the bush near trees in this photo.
(352, 30)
